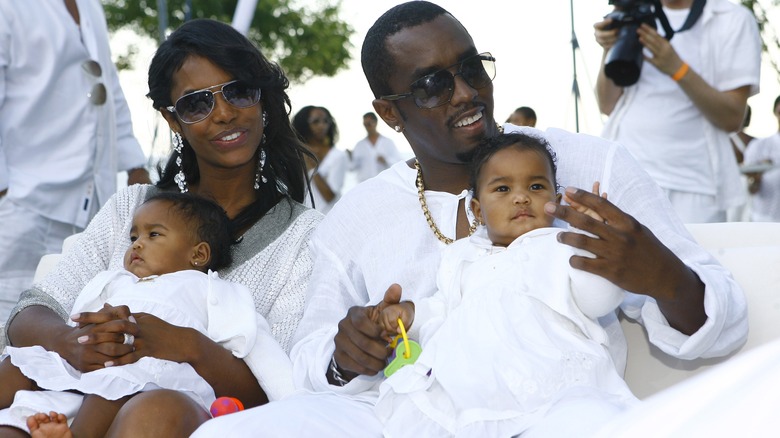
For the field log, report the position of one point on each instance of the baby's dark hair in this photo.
(209, 221)
(489, 146)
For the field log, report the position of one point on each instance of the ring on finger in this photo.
(129, 339)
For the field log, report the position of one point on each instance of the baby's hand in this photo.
(585, 210)
(391, 314)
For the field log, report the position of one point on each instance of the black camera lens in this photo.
(624, 60)
(623, 63)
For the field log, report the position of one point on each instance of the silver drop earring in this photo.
(259, 175)
(261, 161)
(179, 178)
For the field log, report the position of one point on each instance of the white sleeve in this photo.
(270, 363)
(129, 152)
(583, 159)
(231, 315)
(327, 302)
(595, 296)
(726, 328)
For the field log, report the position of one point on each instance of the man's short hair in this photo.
(377, 62)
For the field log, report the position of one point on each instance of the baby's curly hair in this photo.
(489, 146)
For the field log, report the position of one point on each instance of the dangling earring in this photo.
(259, 175)
(179, 178)
(261, 161)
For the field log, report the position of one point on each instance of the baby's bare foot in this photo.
(53, 425)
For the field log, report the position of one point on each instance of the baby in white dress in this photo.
(178, 242)
(511, 341)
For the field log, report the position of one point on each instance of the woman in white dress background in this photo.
(318, 130)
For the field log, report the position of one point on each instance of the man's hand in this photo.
(361, 345)
(630, 256)
(664, 57)
(605, 36)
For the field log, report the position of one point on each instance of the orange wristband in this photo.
(681, 72)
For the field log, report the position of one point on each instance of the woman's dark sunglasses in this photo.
(436, 89)
(196, 106)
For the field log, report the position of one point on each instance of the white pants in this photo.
(300, 415)
(695, 208)
(25, 237)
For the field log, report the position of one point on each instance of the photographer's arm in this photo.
(606, 91)
(724, 109)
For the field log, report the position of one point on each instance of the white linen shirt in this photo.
(62, 152)
(365, 155)
(377, 235)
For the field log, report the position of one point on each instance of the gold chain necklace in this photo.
(427, 213)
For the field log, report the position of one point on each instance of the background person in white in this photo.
(692, 92)
(317, 129)
(64, 136)
(374, 153)
(765, 186)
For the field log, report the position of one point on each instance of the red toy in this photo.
(225, 405)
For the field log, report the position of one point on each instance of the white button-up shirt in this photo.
(61, 151)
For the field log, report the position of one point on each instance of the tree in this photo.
(305, 42)
(769, 36)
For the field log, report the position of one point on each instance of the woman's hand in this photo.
(99, 338)
(159, 339)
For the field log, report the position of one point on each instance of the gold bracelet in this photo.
(681, 72)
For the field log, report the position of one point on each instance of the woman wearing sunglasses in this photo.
(317, 129)
(228, 110)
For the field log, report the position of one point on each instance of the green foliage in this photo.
(305, 42)
(769, 36)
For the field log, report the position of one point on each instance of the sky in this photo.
(530, 39)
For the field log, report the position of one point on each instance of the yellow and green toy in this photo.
(405, 352)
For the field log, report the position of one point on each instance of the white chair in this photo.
(49, 261)
(751, 251)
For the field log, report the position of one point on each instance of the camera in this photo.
(624, 60)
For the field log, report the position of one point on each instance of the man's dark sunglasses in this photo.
(436, 89)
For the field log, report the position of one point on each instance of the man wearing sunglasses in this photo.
(65, 131)
(382, 241)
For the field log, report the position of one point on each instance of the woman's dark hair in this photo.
(228, 49)
(301, 124)
(524, 142)
(378, 64)
(207, 220)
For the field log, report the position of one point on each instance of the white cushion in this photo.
(751, 251)
(49, 261)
